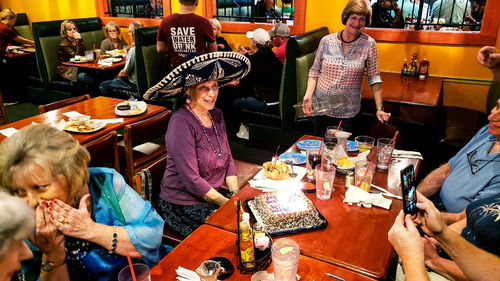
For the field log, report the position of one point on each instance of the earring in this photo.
(188, 100)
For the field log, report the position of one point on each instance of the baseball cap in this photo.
(260, 35)
(280, 29)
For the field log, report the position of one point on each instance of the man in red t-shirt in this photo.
(185, 32)
(279, 37)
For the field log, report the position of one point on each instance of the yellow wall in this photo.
(44, 10)
(446, 60)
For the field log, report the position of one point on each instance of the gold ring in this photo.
(63, 221)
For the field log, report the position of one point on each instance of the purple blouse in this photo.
(340, 76)
(192, 166)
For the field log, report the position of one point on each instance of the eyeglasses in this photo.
(474, 163)
(112, 31)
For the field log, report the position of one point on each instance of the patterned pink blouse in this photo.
(340, 77)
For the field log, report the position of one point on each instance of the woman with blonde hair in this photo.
(113, 41)
(72, 45)
(8, 33)
(17, 221)
(87, 219)
(337, 72)
(222, 44)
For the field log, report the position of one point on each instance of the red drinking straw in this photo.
(340, 123)
(393, 144)
(366, 172)
(319, 152)
(131, 267)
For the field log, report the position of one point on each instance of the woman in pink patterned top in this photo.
(337, 72)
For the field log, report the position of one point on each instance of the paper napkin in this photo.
(8, 131)
(72, 114)
(355, 195)
(184, 274)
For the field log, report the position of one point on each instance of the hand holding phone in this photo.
(409, 190)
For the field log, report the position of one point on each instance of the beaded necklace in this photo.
(218, 154)
(347, 42)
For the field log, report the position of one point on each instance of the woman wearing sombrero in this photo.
(199, 159)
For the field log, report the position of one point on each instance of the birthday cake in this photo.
(279, 211)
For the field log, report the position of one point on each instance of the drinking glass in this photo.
(342, 138)
(141, 272)
(330, 134)
(364, 143)
(312, 159)
(384, 151)
(360, 173)
(325, 177)
(285, 255)
(394, 175)
(89, 55)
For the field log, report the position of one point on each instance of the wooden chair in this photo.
(61, 103)
(137, 148)
(3, 114)
(147, 183)
(104, 152)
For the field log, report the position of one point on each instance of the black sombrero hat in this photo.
(224, 67)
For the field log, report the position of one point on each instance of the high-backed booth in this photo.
(47, 39)
(151, 66)
(22, 26)
(300, 53)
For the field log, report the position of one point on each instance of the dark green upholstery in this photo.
(151, 66)
(300, 54)
(47, 39)
(22, 26)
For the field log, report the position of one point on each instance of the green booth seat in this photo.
(47, 38)
(22, 26)
(300, 54)
(152, 66)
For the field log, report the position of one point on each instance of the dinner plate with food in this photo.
(280, 170)
(130, 108)
(78, 59)
(87, 126)
(116, 53)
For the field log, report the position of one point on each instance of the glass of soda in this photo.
(313, 159)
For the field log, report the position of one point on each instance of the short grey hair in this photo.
(17, 221)
(48, 148)
(135, 25)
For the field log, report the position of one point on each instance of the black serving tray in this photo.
(322, 225)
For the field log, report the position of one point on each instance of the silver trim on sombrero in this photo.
(174, 81)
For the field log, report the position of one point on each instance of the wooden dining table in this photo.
(97, 108)
(208, 241)
(355, 237)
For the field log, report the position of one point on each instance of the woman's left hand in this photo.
(383, 116)
(71, 221)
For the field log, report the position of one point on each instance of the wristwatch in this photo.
(48, 266)
(380, 108)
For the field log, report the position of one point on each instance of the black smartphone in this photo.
(409, 190)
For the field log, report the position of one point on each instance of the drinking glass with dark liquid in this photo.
(313, 159)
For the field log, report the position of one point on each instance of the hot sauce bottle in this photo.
(247, 254)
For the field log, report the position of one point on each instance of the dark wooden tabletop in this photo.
(97, 108)
(95, 65)
(407, 90)
(207, 242)
(355, 237)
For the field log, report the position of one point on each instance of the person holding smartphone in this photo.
(479, 235)
(474, 172)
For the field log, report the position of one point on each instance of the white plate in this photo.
(136, 108)
(112, 60)
(90, 127)
(84, 60)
